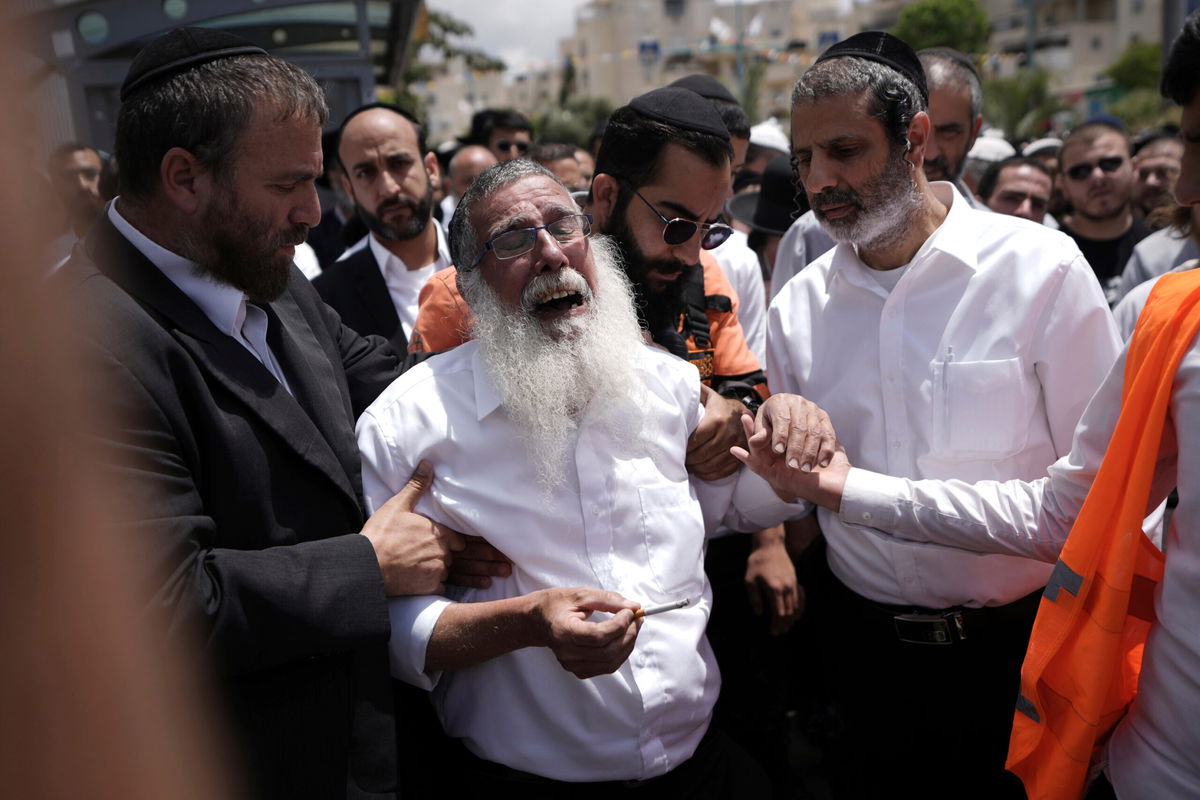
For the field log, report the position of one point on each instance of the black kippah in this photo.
(706, 86)
(681, 108)
(180, 50)
(885, 49)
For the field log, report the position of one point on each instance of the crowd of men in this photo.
(512, 466)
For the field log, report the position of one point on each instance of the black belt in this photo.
(946, 626)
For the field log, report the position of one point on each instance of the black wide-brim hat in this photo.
(770, 209)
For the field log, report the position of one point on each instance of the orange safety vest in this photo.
(1081, 670)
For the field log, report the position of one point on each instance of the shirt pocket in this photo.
(673, 532)
(981, 409)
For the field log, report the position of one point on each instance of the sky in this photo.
(519, 32)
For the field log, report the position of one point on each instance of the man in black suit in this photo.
(390, 174)
(233, 391)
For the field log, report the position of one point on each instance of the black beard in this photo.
(420, 212)
(241, 251)
(658, 312)
(950, 172)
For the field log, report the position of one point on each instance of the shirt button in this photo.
(896, 445)
(867, 516)
(891, 378)
(596, 510)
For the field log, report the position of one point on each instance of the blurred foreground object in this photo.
(91, 704)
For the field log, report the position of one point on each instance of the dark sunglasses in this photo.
(508, 144)
(1081, 172)
(677, 231)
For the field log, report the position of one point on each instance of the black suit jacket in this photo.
(244, 497)
(354, 288)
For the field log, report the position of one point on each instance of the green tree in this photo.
(756, 67)
(1021, 105)
(443, 34)
(1138, 66)
(961, 24)
(1142, 109)
(571, 122)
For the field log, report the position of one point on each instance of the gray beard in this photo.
(549, 383)
(886, 222)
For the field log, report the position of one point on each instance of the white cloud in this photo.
(521, 32)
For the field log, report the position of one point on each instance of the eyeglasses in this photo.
(508, 144)
(1081, 172)
(677, 231)
(511, 244)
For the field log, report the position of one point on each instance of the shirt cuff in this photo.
(757, 503)
(872, 500)
(413, 619)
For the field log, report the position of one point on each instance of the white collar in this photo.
(387, 260)
(224, 305)
(955, 237)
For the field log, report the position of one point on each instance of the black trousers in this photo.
(719, 770)
(920, 720)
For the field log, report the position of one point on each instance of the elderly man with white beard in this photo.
(560, 436)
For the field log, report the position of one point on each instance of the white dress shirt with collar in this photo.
(1155, 751)
(803, 243)
(976, 365)
(1157, 254)
(225, 306)
(404, 284)
(626, 519)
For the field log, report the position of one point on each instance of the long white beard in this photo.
(547, 384)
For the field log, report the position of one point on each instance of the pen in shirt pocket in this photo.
(947, 360)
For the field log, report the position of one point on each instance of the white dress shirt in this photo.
(1127, 311)
(977, 365)
(225, 306)
(449, 203)
(1157, 254)
(626, 519)
(803, 243)
(404, 284)
(1155, 752)
(740, 265)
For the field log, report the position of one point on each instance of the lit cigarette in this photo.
(645, 612)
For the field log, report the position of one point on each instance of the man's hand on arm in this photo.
(792, 445)
(477, 563)
(708, 456)
(771, 580)
(414, 553)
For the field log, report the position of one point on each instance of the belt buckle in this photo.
(936, 629)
